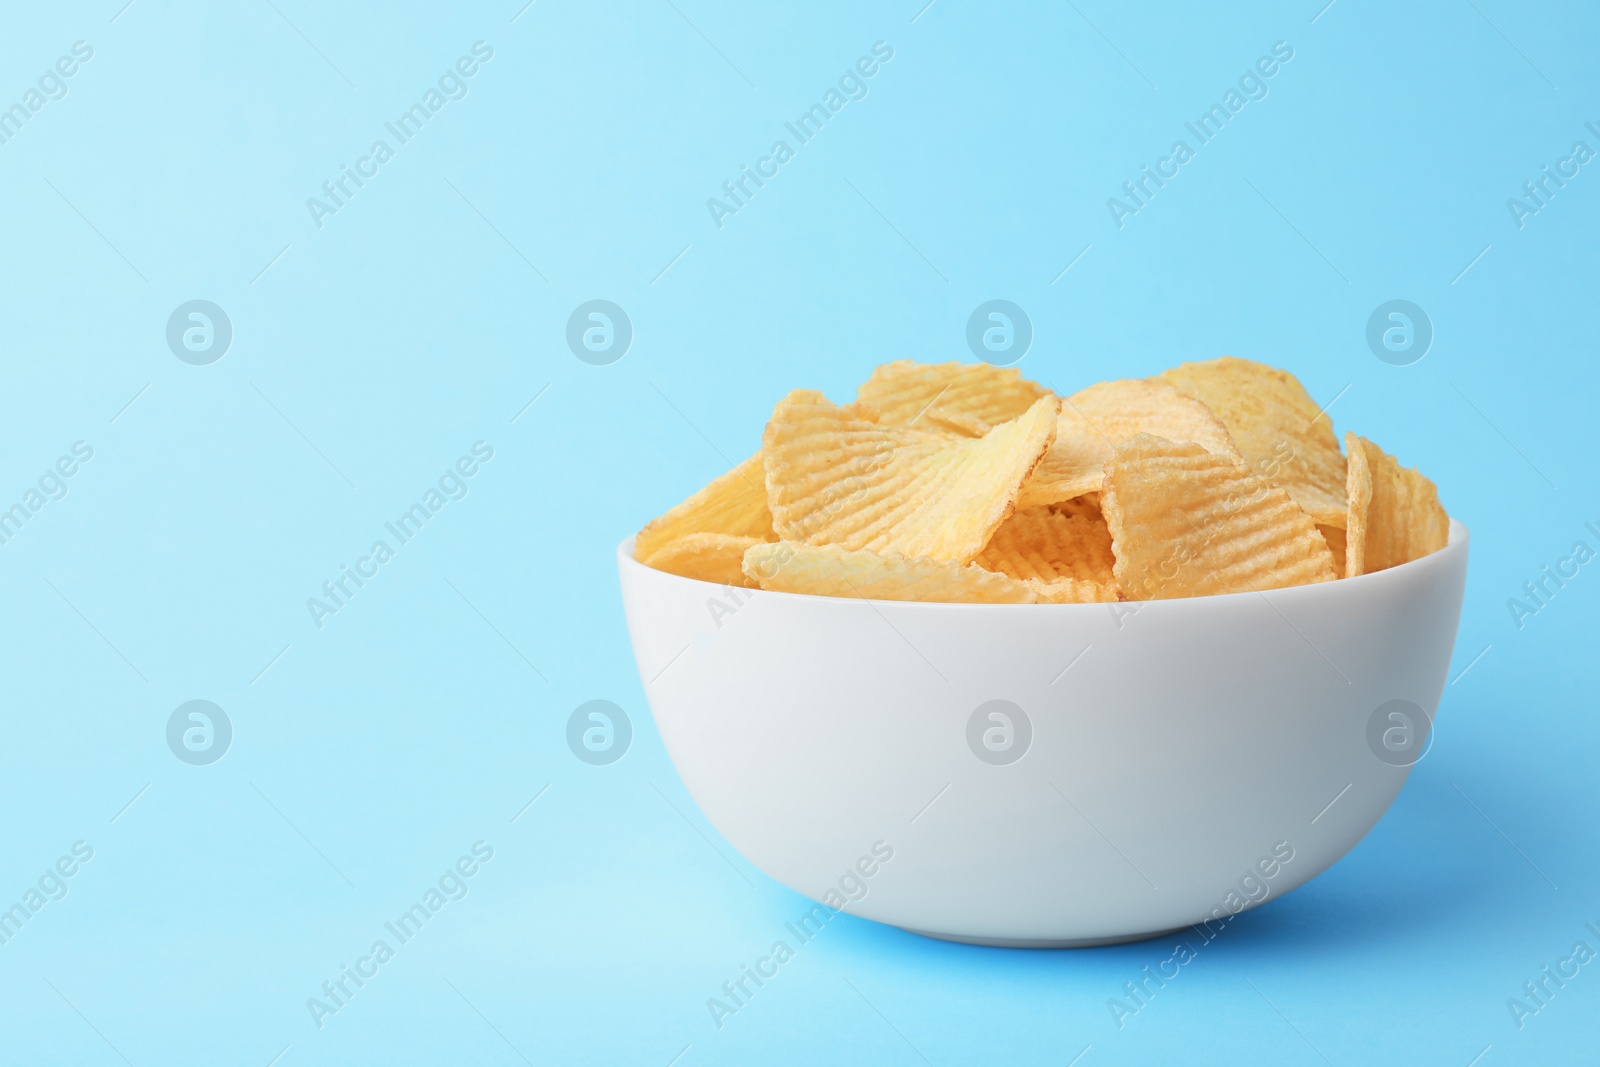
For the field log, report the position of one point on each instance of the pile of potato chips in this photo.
(970, 484)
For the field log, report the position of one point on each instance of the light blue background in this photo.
(426, 314)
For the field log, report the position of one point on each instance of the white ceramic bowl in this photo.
(1187, 758)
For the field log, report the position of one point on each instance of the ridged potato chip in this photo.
(1045, 544)
(835, 475)
(1395, 515)
(734, 503)
(1187, 522)
(709, 557)
(968, 483)
(1087, 505)
(1278, 428)
(1336, 542)
(959, 399)
(829, 570)
(953, 423)
(1095, 420)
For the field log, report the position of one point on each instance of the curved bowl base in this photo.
(1028, 942)
(1232, 746)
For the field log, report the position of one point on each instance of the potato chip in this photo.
(837, 476)
(734, 503)
(1336, 542)
(829, 570)
(1281, 432)
(1087, 505)
(968, 483)
(1097, 419)
(1187, 522)
(952, 423)
(958, 399)
(1046, 544)
(1358, 489)
(709, 557)
(1395, 515)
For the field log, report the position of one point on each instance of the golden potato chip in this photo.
(953, 423)
(709, 557)
(1097, 419)
(1046, 544)
(1358, 489)
(969, 484)
(1187, 522)
(837, 476)
(734, 503)
(1278, 428)
(829, 570)
(1395, 515)
(959, 399)
(1087, 505)
(1076, 591)
(1336, 541)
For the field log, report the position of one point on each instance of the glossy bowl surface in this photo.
(1047, 775)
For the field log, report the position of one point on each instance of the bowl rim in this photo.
(1457, 543)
